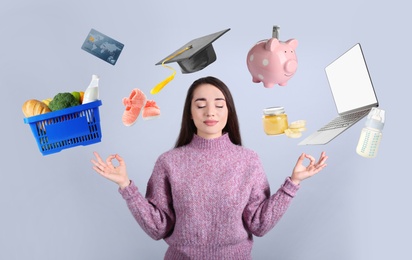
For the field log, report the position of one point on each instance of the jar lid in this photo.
(274, 110)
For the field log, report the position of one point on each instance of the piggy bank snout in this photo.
(291, 66)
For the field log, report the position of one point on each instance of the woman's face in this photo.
(209, 111)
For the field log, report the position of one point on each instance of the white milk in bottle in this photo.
(92, 92)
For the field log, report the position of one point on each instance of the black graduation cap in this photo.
(196, 54)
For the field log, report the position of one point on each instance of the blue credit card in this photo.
(102, 46)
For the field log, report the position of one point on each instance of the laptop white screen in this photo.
(350, 82)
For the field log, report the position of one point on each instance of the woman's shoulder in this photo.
(245, 151)
(172, 152)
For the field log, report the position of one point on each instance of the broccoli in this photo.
(63, 100)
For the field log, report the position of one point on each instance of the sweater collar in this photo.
(218, 143)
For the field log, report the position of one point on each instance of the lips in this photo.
(210, 122)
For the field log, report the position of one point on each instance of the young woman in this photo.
(209, 195)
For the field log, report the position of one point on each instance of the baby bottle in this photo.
(92, 92)
(371, 134)
(275, 121)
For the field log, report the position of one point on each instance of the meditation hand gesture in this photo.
(301, 172)
(106, 168)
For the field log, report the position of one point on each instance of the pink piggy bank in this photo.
(272, 61)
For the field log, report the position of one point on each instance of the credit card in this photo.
(102, 46)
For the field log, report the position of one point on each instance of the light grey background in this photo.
(56, 207)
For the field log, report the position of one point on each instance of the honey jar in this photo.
(275, 121)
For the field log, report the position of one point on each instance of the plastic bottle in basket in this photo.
(92, 92)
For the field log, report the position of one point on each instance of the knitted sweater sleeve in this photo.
(263, 210)
(154, 213)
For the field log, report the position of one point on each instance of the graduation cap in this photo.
(196, 54)
(191, 57)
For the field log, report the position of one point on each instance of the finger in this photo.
(311, 159)
(319, 169)
(99, 159)
(301, 159)
(97, 167)
(320, 165)
(100, 171)
(323, 158)
(109, 160)
(97, 163)
(120, 159)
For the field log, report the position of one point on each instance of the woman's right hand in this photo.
(106, 169)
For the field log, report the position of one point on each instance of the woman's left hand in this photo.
(301, 172)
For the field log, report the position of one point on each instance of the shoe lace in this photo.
(127, 102)
(151, 103)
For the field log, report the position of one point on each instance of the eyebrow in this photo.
(204, 99)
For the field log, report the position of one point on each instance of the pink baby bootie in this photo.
(150, 110)
(134, 104)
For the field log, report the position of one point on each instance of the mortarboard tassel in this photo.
(164, 82)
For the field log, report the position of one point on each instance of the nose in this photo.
(291, 66)
(210, 111)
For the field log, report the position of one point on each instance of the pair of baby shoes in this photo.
(134, 104)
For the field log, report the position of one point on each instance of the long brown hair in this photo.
(188, 128)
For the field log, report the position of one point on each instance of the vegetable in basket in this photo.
(63, 100)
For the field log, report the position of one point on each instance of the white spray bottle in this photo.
(371, 134)
(92, 92)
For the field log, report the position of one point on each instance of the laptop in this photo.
(352, 91)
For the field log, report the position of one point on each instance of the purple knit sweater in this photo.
(207, 199)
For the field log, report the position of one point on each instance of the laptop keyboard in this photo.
(344, 120)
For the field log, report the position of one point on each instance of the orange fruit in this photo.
(81, 96)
